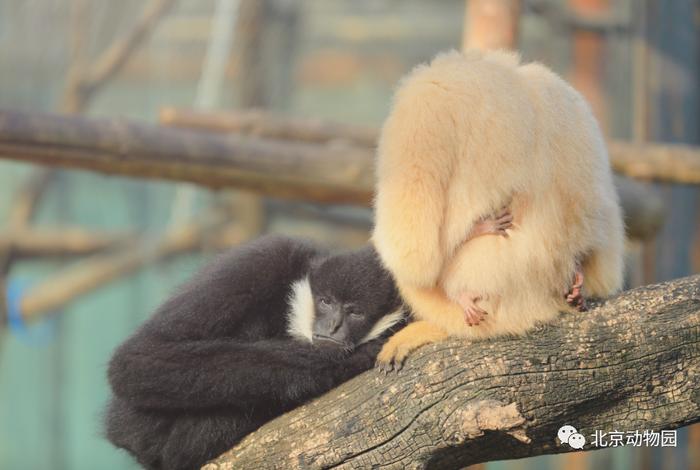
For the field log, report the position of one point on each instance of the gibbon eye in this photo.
(353, 312)
(324, 301)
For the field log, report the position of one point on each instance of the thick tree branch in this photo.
(116, 146)
(329, 172)
(261, 123)
(675, 163)
(631, 363)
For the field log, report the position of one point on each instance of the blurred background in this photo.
(85, 257)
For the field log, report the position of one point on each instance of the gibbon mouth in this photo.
(327, 338)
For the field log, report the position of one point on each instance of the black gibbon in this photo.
(262, 329)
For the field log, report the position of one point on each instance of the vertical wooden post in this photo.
(247, 208)
(491, 24)
(248, 58)
(588, 58)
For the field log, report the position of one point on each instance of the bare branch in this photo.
(114, 58)
(58, 241)
(84, 79)
(98, 270)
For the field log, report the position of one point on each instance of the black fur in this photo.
(215, 361)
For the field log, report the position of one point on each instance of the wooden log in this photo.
(98, 270)
(330, 173)
(337, 174)
(491, 24)
(24, 206)
(632, 363)
(260, 123)
(58, 241)
(588, 51)
(673, 163)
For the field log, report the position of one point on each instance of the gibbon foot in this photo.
(574, 297)
(473, 314)
(416, 334)
(496, 225)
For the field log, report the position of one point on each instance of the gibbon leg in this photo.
(574, 297)
(492, 225)
(415, 335)
(473, 314)
(496, 225)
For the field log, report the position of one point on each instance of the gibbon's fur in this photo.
(469, 134)
(259, 331)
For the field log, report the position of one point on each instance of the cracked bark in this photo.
(630, 363)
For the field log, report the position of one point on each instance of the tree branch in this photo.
(675, 163)
(116, 146)
(93, 272)
(631, 363)
(84, 80)
(58, 241)
(261, 123)
(329, 173)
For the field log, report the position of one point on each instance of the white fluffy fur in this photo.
(301, 315)
(384, 323)
(301, 311)
(467, 135)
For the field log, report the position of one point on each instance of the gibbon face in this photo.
(354, 298)
(338, 323)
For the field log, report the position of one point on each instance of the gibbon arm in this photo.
(416, 160)
(199, 374)
(209, 344)
(241, 289)
(399, 346)
(421, 332)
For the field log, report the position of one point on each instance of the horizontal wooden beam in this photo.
(675, 163)
(259, 123)
(58, 241)
(671, 163)
(336, 174)
(328, 171)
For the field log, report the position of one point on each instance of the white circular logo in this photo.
(577, 441)
(565, 432)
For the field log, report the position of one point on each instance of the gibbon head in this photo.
(355, 299)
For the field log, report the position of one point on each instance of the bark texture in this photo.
(630, 363)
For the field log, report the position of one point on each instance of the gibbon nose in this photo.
(335, 322)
